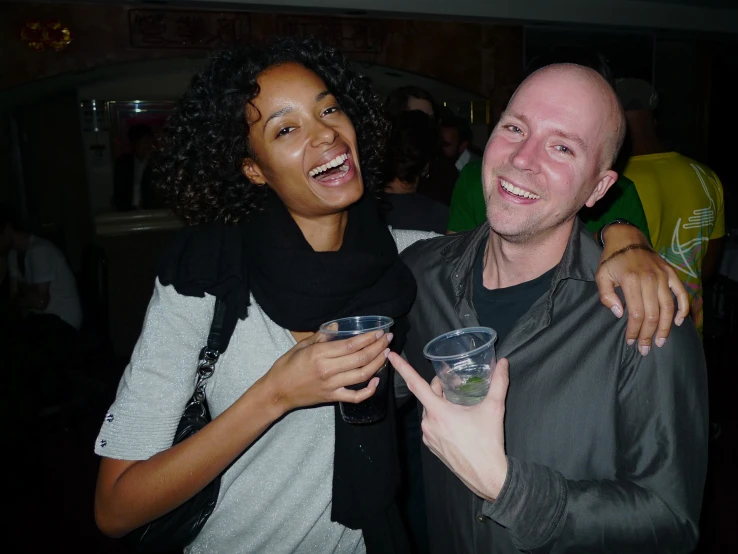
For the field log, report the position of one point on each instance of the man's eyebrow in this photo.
(573, 138)
(576, 139)
(518, 116)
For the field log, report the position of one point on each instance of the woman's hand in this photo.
(315, 371)
(647, 282)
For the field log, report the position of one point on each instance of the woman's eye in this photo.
(285, 131)
(332, 109)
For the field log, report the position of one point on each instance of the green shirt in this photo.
(468, 208)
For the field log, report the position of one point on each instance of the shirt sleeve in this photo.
(405, 237)
(41, 262)
(626, 205)
(653, 502)
(719, 228)
(463, 213)
(160, 378)
(630, 207)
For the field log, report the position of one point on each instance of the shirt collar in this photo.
(463, 159)
(579, 262)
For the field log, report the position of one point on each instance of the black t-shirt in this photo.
(501, 308)
(416, 212)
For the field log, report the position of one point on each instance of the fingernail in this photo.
(630, 342)
(390, 337)
(678, 321)
(617, 311)
(644, 350)
(379, 334)
(386, 352)
(660, 342)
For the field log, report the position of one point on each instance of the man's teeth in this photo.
(512, 189)
(335, 162)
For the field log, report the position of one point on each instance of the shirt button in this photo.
(481, 519)
(109, 417)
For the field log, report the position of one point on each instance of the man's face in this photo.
(543, 161)
(450, 143)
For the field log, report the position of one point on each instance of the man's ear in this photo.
(252, 171)
(607, 179)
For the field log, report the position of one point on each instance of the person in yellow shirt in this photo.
(682, 198)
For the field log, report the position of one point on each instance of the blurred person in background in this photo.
(410, 150)
(456, 140)
(682, 198)
(132, 187)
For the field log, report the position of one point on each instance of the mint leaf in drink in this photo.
(471, 384)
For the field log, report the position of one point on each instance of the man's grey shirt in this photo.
(607, 450)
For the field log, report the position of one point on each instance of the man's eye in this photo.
(513, 128)
(564, 149)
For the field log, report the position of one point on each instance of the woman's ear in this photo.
(252, 171)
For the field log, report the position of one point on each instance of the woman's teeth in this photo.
(335, 162)
(512, 189)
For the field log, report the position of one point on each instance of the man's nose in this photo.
(525, 157)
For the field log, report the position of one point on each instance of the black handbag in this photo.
(178, 528)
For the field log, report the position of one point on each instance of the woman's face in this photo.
(304, 146)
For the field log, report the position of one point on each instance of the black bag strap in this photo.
(216, 338)
(221, 330)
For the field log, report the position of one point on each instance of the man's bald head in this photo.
(588, 80)
(551, 152)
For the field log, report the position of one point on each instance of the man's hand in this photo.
(470, 440)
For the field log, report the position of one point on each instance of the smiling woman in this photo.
(305, 149)
(271, 156)
(202, 168)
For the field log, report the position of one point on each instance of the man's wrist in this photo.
(497, 481)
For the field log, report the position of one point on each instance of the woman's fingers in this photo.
(677, 287)
(356, 396)
(651, 309)
(360, 374)
(358, 359)
(351, 345)
(666, 303)
(634, 301)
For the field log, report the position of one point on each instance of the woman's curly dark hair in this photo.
(197, 166)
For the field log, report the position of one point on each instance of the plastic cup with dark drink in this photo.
(464, 360)
(375, 407)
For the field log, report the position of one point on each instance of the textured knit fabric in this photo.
(276, 497)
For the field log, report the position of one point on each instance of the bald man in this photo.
(593, 447)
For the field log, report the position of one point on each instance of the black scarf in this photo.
(267, 255)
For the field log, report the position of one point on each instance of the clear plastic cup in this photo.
(463, 360)
(375, 407)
